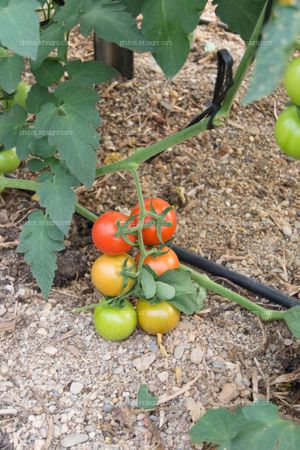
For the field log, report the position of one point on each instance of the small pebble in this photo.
(163, 376)
(4, 217)
(2, 310)
(108, 408)
(179, 351)
(51, 350)
(287, 231)
(228, 393)
(197, 355)
(76, 387)
(74, 439)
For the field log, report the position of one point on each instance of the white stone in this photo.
(74, 439)
(51, 350)
(76, 387)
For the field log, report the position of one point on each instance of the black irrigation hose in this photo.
(240, 280)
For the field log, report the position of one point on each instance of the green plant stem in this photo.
(142, 216)
(204, 281)
(85, 213)
(16, 183)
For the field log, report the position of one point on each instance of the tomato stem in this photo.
(205, 282)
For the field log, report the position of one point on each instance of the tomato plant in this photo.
(108, 274)
(115, 323)
(156, 230)
(163, 262)
(292, 81)
(8, 160)
(287, 131)
(156, 318)
(104, 233)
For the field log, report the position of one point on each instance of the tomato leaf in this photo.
(72, 128)
(109, 20)
(49, 72)
(257, 426)
(42, 148)
(188, 297)
(278, 38)
(58, 197)
(39, 240)
(13, 132)
(37, 97)
(145, 399)
(51, 37)
(148, 284)
(11, 69)
(169, 24)
(19, 27)
(164, 291)
(292, 319)
(240, 15)
(89, 72)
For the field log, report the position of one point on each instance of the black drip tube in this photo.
(240, 280)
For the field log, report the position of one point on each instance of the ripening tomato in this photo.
(287, 132)
(157, 318)
(104, 230)
(161, 263)
(292, 81)
(115, 323)
(107, 274)
(168, 224)
(9, 160)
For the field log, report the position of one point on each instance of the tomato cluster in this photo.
(287, 128)
(115, 272)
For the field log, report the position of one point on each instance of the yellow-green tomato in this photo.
(9, 160)
(20, 96)
(292, 81)
(157, 318)
(107, 274)
(115, 323)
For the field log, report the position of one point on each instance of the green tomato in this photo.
(20, 95)
(292, 81)
(115, 324)
(287, 132)
(9, 160)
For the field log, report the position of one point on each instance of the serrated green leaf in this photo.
(278, 38)
(42, 148)
(13, 132)
(145, 399)
(240, 15)
(19, 27)
(148, 284)
(52, 37)
(36, 164)
(11, 69)
(292, 319)
(39, 240)
(164, 291)
(218, 426)
(71, 127)
(109, 20)
(37, 97)
(58, 197)
(49, 72)
(89, 72)
(169, 24)
(188, 298)
(257, 426)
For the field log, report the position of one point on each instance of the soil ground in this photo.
(237, 200)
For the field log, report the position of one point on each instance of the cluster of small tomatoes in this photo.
(287, 128)
(115, 272)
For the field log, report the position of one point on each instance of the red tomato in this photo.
(104, 230)
(161, 263)
(168, 224)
